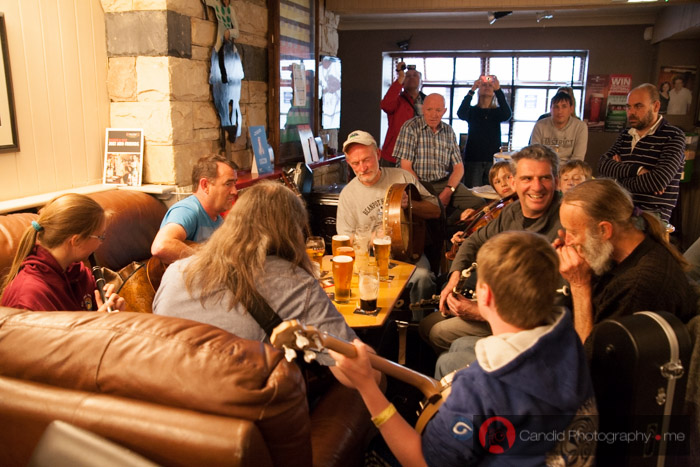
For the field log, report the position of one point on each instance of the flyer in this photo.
(123, 156)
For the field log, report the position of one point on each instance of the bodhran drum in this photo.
(407, 230)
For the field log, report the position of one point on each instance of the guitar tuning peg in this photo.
(309, 356)
(302, 341)
(289, 353)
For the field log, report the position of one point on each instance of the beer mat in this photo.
(392, 265)
(327, 282)
(359, 311)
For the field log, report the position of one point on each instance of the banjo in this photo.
(291, 336)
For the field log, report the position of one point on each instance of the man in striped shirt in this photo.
(647, 159)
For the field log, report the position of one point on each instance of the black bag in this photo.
(639, 371)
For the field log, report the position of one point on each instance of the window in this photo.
(528, 79)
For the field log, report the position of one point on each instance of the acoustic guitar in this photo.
(291, 336)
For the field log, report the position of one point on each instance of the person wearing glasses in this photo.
(47, 273)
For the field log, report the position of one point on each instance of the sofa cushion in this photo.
(168, 361)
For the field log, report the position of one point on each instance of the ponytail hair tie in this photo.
(638, 220)
(37, 226)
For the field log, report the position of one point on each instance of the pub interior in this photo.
(276, 87)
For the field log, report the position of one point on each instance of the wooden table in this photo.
(389, 293)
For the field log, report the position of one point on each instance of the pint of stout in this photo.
(369, 288)
(339, 240)
(342, 277)
(382, 248)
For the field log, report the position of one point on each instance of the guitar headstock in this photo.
(291, 336)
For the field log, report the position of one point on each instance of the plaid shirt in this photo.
(433, 154)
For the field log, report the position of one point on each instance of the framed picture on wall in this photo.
(675, 89)
(9, 141)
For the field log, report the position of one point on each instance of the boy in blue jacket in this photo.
(527, 400)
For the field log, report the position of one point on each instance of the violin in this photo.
(481, 218)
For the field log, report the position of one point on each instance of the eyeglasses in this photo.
(99, 237)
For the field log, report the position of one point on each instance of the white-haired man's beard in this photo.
(597, 252)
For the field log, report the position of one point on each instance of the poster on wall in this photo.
(616, 109)
(675, 89)
(595, 101)
(123, 156)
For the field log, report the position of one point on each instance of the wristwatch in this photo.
(452, 188)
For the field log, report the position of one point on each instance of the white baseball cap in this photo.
(359, 137)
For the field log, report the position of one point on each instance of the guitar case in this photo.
(639, 370)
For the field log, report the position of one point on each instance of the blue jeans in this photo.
(476, 173)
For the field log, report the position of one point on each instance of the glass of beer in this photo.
(342, 277)
(360, 244)
(340, 240)
(382, 251)
(316, 248)
(345, 250)
(369, 288)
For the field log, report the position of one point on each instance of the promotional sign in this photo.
(123, 156)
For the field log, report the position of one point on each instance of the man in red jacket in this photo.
(402, 102)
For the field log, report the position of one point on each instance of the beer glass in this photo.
(339, 240)
(316, 248)
(382, 251)
(360, 244)
(369, 288)
(342, 277)
(345, 250)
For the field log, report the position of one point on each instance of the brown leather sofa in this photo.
(175, 391)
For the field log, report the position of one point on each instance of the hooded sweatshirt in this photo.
(42, 285)
(518, 403)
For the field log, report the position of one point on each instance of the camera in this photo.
(402, 67)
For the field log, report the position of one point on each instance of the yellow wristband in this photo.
(384, 415)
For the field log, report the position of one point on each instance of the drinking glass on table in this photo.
(342, 277)
(382, 250)
(368, 285)
(316, 248)
(360, 243)
(338, 241)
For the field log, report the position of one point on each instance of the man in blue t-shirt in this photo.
(196, 217)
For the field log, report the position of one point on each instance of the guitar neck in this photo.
(427, 385)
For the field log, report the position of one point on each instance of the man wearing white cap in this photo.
(361, 201)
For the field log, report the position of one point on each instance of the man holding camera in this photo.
(402, 102)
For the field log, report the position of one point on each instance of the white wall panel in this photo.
(59, 71)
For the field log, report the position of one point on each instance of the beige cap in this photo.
(359, 137)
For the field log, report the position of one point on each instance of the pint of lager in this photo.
(369, 288)
(342, 277)
(345, 250)
(382, 248)
(339, 240)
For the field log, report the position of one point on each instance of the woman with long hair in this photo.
(664, 97)
(47, 273)
(256, 256)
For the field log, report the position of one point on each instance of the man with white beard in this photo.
(617, 258)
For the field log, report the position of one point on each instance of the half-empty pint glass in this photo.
(369, 288)
(360, 244)
(342, 277)
(382, 250)
(340, 240)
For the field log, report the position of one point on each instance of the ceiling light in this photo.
(495, 15)
(544, 15)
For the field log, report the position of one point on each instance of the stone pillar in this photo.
(158, 80)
